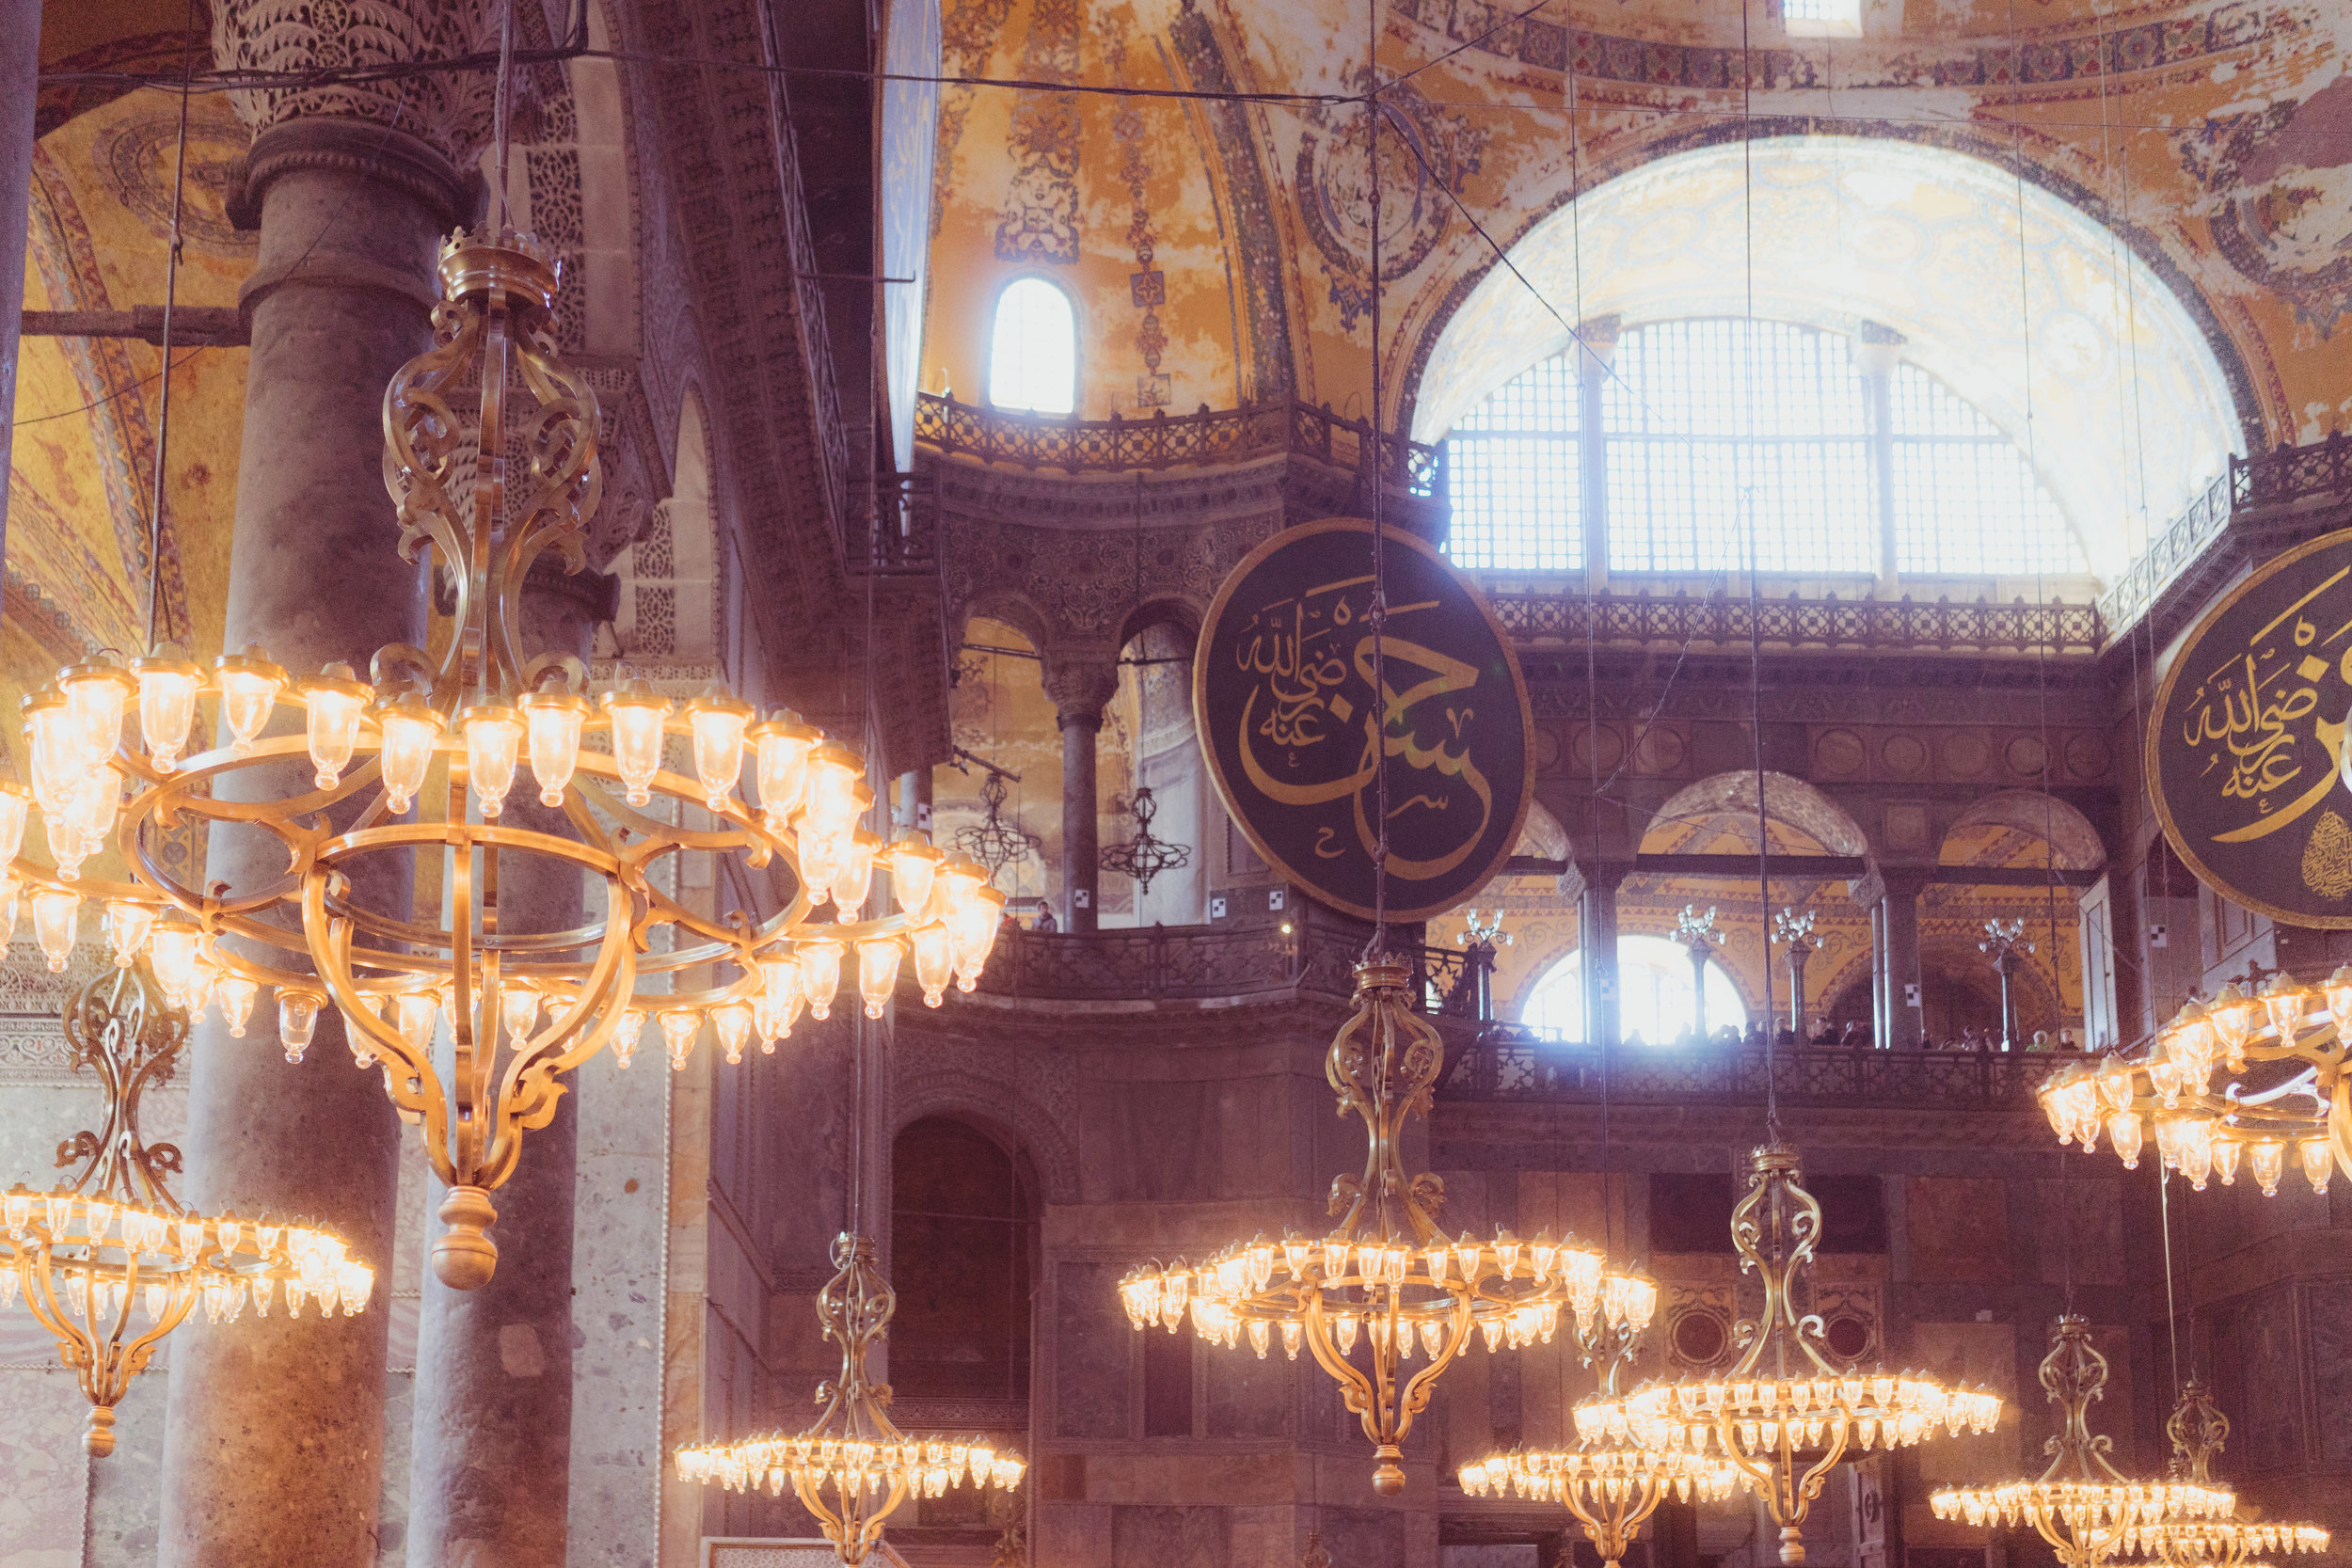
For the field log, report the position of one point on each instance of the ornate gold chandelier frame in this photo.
(2200, 1431)
(1386, 1271)
(853, 1467)
(2082, 1505)
(451, 736)
(112, 1239)
(2256, 1119)
(1783, 1416)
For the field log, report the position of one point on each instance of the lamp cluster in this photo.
(924, 1467)
(2281, 1050)
(2221, 1543)
(1765, 1414)
(97, 1257)
(1512, 1290)
(1592, 1482)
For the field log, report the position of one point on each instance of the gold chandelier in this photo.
(1783, 1416)
(853, 1467)
(2082, 1505)
(114, 1239)
(1387, 1274)
(2198, 1431)
(1611, 1491)
(446, 738)
(2286, 1095)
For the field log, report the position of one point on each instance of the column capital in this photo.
(1599, 877)
(1081, 684)
(450, 112)
(381, 154)
(1881, 882)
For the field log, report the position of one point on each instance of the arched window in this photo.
(1730, 443)
(1033, 352)
(962, 1232)
(1653, 994)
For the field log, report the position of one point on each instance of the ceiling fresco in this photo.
(2186, 243)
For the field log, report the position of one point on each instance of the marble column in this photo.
(491, 1443)
(20, 79)
(274, 1429)
(1081, 687)
(1892, 894)
(1595, 887)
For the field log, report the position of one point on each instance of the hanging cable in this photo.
(163, 413)
(1378, 471)
(2171, 1308)
(1755, 604)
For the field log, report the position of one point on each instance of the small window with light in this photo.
(1033, 350)
(1822, 19)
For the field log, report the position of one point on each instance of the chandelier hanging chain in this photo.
(1378, 469)
(171, 295)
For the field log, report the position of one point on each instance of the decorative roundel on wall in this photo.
(1297, 741)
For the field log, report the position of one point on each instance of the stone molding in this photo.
(1030, 1095)
(449, 111)
(379, 155)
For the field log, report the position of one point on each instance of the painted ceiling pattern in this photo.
(2186, 239)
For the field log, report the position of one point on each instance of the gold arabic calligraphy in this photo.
(1301, 652)
(2248, 713)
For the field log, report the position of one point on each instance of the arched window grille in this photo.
(1033, 349)
(1722, 444)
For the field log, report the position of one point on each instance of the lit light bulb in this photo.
(518, 1010)
(555, 720)
(821, 975)
(96, 694)
(127, 925)
(853, 875)
(53, 750)
(55, 914)
(833, 788)
(958, 881)
(236, 996)
(820, 856)
(914, 865)
(627, 1030)
(2310, 1153)
(170, 683)
(334, 700)
(717, 720)
(2125, 1134)
(782, 744)
(248, 684)
(878, 971)
(680, 1025)
(779, 1004)
(974, 927)
(732, 1023)
(297, 1021)
(637, 711)
(16, 805)
(414, 1013)
(494, 741)
(934, 962)
(172, 943)
(411, 729)
(10, 891)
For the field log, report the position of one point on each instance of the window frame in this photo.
(1077, 345)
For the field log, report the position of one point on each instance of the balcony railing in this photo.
(1881, 625)
(2280, 476)
(1119, 445)
(893, 525)
(1510, 1063)
(1162, 963)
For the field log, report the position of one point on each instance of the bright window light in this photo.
(1653, 995)
(1033, 352)
(1726, 441)
(1822, 18)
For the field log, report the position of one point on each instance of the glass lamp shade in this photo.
(96, 694)
(934, 962)
(914, 865)
(248, 685)
(637, 711)
(554, 720)
(820, 974)
(56, 916)
(878, 971)
(334, 702)
(782, 744)
(494, 744)
(717, 720)
(412, 728)
(169, 684)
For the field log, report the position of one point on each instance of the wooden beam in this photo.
(192, 326)
(1812, 868)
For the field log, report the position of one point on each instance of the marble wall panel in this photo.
(1957, 1228)
(1144, 1536)
(2078, 1231)
(2328, 1318)
(1362, 1537)
(1248, 1396)
(2255, 1364)
(40, 1454)
(1093, 1352)
(1970, 1354)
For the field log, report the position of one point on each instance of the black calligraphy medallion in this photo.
(2243, 748)
(1282, 693)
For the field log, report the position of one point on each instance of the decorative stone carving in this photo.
(448, 111)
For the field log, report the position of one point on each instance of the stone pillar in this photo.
(274, 1440)
(1798, 953)
(1081, 687)
(491, 1441)
(20, 72)
(1599, 338)
(274, 1435)
(1595, 887)
(1893, 897)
